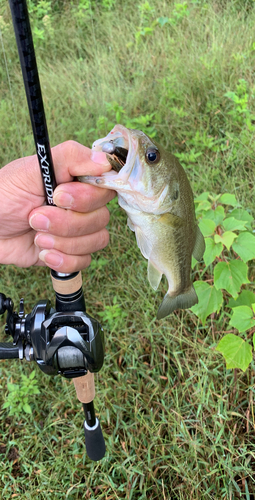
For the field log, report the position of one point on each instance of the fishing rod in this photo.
(65, 340)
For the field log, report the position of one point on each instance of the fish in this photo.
(154, 190)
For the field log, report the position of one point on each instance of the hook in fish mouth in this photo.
(116, 155)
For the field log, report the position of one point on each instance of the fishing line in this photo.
(11, 94)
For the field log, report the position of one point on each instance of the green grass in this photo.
(177, 424)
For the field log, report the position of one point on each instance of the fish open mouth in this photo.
(116, 155)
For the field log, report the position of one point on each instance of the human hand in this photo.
(61, 237)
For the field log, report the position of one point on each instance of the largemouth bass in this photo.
(155, 192)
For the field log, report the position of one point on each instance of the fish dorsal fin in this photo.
(143, 243)
(199, 246)
(154, 275)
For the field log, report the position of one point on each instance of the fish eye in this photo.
(152, 156)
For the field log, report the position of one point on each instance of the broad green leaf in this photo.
(242, 318)
(241, 214)
(216, 215)
(232, 224)
(207, 227)
(228, 199)
(231, 276)
(246, 298)
(7, 404)
(212, 250)
(226, 238)
(12, 387)
(254, 340)
(202, 197)
(163, 20)
(209, 300)
(27, 408)
(253, 307)
(237, 352)
(244, 246)
(203, 206)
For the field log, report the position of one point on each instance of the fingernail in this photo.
(99, 157)
(39, 222)
(63, 199)
(44, 241)
(51, 259)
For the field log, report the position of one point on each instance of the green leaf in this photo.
(231, 276)
(228, 199)
(241, 214)
(202, 197)
(13, 387)
(216, 215)
(32, 375)
(207, 227)
(226, 238)
(254, 340)
(162, 21)
(27, 408)
(212, 250)
(209, 300)
(203, 206)
(246, 298)
(242, 318)
(7, 404)
(244, 246)
(237, 352)
(232, 224)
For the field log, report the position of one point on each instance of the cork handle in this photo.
(67, 286)
(85, 387)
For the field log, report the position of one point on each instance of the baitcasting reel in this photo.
(66, 341)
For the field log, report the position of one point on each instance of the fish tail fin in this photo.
(182, 301)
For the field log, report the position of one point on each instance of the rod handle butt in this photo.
(94, 441)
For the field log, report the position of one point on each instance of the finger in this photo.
(82, 245)
(63, 263)
(81, 197)
(67, 223)
(71, 159)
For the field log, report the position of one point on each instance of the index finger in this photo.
(71, 159)
(81, 197)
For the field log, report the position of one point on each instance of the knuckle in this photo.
(70, 144)
(104, 216)
(104, 238)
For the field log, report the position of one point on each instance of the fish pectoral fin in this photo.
(130, 224)
(143, 243)
(154, 275)
(199, 247)
(182, 301)
(170, 220)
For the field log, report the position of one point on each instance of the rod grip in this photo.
(66, 285)
(85, 387)
(94, 441)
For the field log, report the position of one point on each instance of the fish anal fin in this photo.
(199, 246)
(182, 301)
(154, 275)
